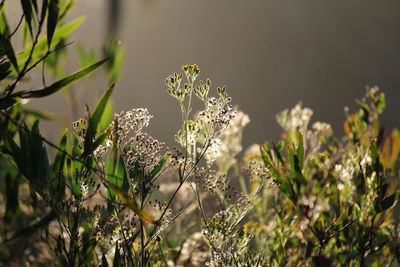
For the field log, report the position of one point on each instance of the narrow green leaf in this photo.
(58, 178)
(116, 169)
(107, 117)
(59, 159)
(11, 197)
(7, 103)
(63, 82)
(4, 70)
(4, 28)
(43, 11)
(61, 32)
(98, 113)
(381, 103)
(117, 257)
(94, 122)
(27, 8)
(104, 262)
(291, 159)
(387, 202)
(8, 50)
(300, 151)
(35, 5)
(40, 114)
(52, 20)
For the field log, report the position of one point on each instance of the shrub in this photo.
(108, 193)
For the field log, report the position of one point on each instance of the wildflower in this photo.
(214, 151)
(125, 122)
(232, 140)
(297, 119)
(320, 130)
(144, 151)
(84, 189)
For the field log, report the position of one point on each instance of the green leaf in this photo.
(39, 114)
(116, 169)
(27, 8)
(61, 83)
(387, 202)
(35, 6)
(58, 168)
(380, 106)
(104, 262)
(94, 121)
(300, 151)
(52, 20)
(59, 160)
(8, 50)
(61, 32)
(117, 257)
(7, 103)
(87, 250)
(107, 117)
(4, 29)
(4, 70)
(11, 198)
(98, 113)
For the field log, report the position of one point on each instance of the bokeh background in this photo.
(269, 53)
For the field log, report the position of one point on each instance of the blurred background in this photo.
(270, 54)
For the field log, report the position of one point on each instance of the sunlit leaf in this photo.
(94, 121)
(61, 83)
(40, 114)
(131, 203)
(60, 33)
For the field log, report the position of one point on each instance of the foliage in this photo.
(109, 194)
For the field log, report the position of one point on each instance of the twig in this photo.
(16, 28)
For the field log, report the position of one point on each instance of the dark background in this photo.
(269, 53)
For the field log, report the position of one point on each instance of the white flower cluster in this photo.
(216, 117)
(141, 150)
(345, 172)
(319, 130)
(214, 151)
(297, 119)
(125, 122)
(144, 151)
(232, 139)
(192, 132)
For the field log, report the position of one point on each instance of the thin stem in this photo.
(17, 27)
(25, 69)
(175, 193)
